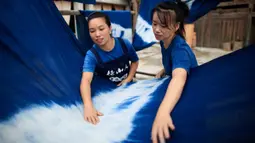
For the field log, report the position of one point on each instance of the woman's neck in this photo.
(108, 46)
(168, 41)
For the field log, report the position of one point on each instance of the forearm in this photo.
(173, 93)
(133, 68)
(86, 93)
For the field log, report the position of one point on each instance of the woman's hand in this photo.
(161, 125)
(124, 82)
(91, 114)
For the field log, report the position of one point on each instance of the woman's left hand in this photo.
(123, 82)
(161, 125)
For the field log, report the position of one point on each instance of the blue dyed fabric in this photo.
(41, 64)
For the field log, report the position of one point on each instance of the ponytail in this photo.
(182, 13)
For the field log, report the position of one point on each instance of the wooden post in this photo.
(77, 6)
(135, 15)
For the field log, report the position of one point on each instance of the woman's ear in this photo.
(177, 26)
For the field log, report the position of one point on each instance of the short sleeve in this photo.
(90, 62)
(181, 59)
(131, 51)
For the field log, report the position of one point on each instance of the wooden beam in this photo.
(233, 3)
(70, 12)
(116, 2)
(76, 12)
(230, 15)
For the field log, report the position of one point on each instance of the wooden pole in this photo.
(135, 15)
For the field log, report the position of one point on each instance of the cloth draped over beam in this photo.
(120, 21)
(144, 38)
(41, 63)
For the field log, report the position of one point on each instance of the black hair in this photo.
(99, 15)
(170, 12)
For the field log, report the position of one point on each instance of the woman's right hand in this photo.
(160, 74)
(91, 114)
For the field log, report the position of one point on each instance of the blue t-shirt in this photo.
(177, 55)
(90, 60)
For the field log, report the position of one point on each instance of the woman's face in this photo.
(99, 31)
(162, 31)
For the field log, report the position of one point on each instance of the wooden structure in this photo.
(72, 8)
(230, 26)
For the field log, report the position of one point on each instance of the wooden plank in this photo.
(117, 2)
(233, 3)
(231, 29)
(215, 33)
(107, 6)
(93, 7)
(230, 15)
(208, 30)
(234, 30)
(69, 12)
(224, 29)
(76, 12)
(118, 7)
(197, 31)
(203, 31)
(241, 29)
(78, 6)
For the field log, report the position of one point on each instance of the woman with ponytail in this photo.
(177, 58)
